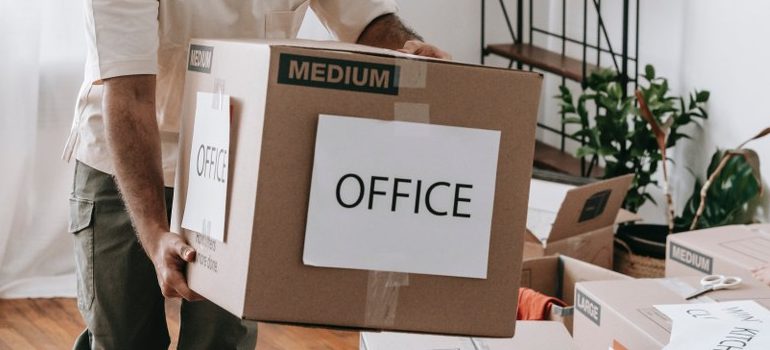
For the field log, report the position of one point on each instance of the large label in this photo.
(338, 74)
(691, 258)
(588, 307)
(206, 202)
(402, 197)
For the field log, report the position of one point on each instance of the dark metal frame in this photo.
(622, 67)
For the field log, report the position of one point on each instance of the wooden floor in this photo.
(55, 323)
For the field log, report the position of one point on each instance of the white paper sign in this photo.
(729, 325)
(402, 197)
(206, 202)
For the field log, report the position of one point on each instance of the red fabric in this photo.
(535, 306)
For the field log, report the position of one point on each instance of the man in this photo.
(125, 140)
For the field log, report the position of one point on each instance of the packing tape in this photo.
(382, 297)
(411, 112)
(218, 94)
(683, 289)
(412, 74)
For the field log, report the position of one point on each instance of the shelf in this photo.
(551, 158)
(539, 58)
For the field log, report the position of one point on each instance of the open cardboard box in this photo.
(621, 313)
(557, 275)
(278, 89)
(540, 335)
(576, 221)
(734, 250)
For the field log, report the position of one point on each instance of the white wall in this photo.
(715, 45)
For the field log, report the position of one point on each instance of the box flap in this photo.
(540, 274)
(574, 271)
(590, 207)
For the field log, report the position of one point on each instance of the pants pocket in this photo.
(82, 228)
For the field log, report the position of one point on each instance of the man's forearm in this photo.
(134, 142)
(387, 31)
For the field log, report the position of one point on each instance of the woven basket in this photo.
(634, 265)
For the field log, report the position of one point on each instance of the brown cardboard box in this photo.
(540, 335)
(728, 250)
(576, 221)
(622, 312)
(258, 272)
(557, 275)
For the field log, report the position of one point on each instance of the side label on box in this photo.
(588, 307)
(401, 197)
(206, 202)
(338, 74)
(691, 258)
(595, 205)
(200, 58)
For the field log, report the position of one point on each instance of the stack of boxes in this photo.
(290, 102)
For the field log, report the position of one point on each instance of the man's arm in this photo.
(387, 31)
(134, 143)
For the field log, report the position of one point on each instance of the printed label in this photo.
(588, 307)
(338, 74)
(200, 58)
(595, 205)
(691, 258)
(401, 197)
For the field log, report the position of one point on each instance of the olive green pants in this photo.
(118, 292)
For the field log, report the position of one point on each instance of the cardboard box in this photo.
(258, 273)
(541, 335)
(576, 221)
(728, 250)
(622, 312)
(557, 275)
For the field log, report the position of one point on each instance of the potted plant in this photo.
(631, 139)
(616, 133)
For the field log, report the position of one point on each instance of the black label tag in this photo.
(588, 307)
(200, 58)
(595, 205)
(691, 258)
(338, 74)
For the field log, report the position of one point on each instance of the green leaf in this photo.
(571, 120)
(585, 151)
(702, 96)
(649, 72)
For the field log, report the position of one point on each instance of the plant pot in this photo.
(640, 250)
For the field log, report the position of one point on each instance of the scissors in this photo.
(715, 282)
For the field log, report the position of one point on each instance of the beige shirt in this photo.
(151, 37)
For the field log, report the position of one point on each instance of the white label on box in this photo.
(743, 324)
(402, 197)
(206, 202)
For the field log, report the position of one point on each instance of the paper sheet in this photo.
(402, 197)
(539, 222)
(206, 202)
(733, 325)
(545, 199)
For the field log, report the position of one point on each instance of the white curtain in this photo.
(42, 52)
(41, 69)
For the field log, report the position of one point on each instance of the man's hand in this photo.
(417, 47)
(134, 143)
(169, 256)
(389, 32)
